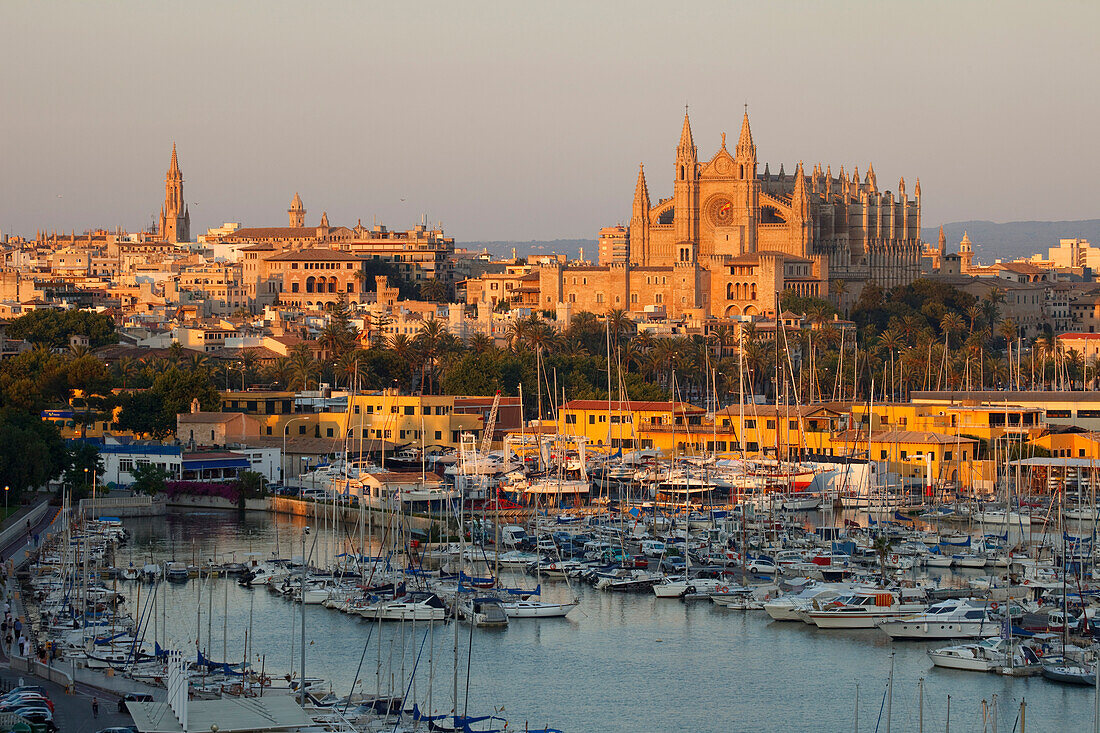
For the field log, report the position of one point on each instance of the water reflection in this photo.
(617, 663)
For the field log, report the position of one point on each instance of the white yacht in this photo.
(953, 619)
(861, 610)
(987, 655)
(419, 606)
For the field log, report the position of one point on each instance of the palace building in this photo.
(730, 237)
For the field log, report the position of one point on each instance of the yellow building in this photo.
(915, 454)
(428, 420)
(626, 424)
(754, 431)
(1070, 444)
(985, 422)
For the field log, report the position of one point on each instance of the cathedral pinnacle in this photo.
(641, 190)
(687, 144)
(174, 166)
(916, 190)
(941, 245)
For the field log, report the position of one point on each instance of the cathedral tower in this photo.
(685, 195)
(175, 219)
(297, 212)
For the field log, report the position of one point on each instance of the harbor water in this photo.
(618, 662)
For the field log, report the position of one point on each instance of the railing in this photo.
(101, 503)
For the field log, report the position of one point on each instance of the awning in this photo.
(202, 464)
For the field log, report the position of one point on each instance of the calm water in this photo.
(618, 663)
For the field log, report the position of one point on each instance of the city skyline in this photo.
(512, 124)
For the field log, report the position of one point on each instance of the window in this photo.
(752, 447)
(426, 410)
(1058, 413)
(634, 298)
(571, 419)
(749, 424)
(591, 419)
(301, 430)
(328, 433)
(792, 424)
(882, 454)
(410, 410)
(439, 435)
(126, 465)
(770, 424)
(947, 455)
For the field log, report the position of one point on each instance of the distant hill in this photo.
(1013, 239)
(992, 240)
(503, 248)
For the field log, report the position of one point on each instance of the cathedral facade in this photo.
(730, 237)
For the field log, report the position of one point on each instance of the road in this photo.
(73, 713)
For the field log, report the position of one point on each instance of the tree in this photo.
(149, 478)
(32, 451)
(250, 485)
(304, 368)
(84, 466)
(434, 291)
(52, 328)
(882, 546)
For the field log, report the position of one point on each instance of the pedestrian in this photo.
(18, 626)
(36, 539)
(95, 708)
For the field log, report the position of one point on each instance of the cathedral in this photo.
(175, 219)
(730, 237)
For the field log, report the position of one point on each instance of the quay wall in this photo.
(19, 529)
(50, 672)
(123, 507)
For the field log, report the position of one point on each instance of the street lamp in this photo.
(282, 459)
(6, 488)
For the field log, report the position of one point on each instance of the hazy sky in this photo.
(523, 120)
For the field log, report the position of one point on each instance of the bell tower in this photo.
(297, 212)
(175, 219)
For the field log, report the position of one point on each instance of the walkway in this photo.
(73, 713)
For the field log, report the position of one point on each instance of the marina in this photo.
(715, 656)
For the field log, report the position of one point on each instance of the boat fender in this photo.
(723, 589)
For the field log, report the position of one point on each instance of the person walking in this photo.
(95, 707)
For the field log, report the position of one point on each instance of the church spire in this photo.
(297, 212)
(687, 144)
(746, 151)
(799, 195)
(941, 245)
(916, 190)
(174, 166)
(641, 190)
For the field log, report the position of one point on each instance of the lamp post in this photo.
(282, 459)
(6, 489)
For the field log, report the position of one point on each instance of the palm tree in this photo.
(951, 323)
(428, 342)
(304, 368)
(280, 371)
(975, 312)
(619, 324)
(882, 546)
(840, 288)
(125, 368)
(349, 365)
(479, 343)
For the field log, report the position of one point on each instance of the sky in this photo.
(527, 121)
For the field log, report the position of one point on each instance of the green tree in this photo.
(84, 466)
(149, 478)
(53, 328)
(32, 451)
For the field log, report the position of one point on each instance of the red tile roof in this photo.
(632, 405)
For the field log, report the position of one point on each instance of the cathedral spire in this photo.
(799, 195)
(686, 141)
(324, 219)
(297, 212)
(916, 191)
(744, 142)
(641, 190)
(941, 245)
(174, 166)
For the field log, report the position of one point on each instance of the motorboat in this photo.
(861, 610)
(951, 619)
(988, 655)
(676, 586)
(1069, 672)
(536, 609)
(418, 606)
(483, 611)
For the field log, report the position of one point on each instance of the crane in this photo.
(490, 424)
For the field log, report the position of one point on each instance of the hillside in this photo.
(992, 240)
(1012, 239)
